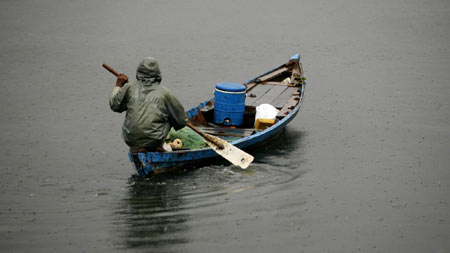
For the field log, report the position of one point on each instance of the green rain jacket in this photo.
(151, 108)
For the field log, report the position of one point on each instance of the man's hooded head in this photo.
(148, 71)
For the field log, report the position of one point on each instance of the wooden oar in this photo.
(206, 137)
(228, 151)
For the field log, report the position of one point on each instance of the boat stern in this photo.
(139, 163)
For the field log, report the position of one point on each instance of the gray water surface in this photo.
(363, 167)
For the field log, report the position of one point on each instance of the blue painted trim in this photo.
(295, 57)
(194, 111)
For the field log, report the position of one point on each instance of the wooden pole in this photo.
(107, 67)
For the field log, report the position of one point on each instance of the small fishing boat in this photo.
(231, 117)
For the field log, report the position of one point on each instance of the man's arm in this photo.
(177, 117)
(118, 98)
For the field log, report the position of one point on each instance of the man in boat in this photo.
(151, 108)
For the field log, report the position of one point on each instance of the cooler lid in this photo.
(231, 87)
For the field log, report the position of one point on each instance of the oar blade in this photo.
(231, 153)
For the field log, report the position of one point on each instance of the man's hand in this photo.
(121, 80)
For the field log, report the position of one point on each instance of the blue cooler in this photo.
(229, 104)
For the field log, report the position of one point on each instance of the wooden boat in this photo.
(282, 87)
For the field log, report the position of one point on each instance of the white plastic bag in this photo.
(266, 111)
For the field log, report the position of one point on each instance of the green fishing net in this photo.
(190, 139)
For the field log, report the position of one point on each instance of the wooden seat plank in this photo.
(256, 93)
(283, 98)
(271, 95)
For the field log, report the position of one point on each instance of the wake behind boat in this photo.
(232, 116)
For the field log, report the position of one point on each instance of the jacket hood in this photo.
(148, 71)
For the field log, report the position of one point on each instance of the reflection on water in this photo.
(159, 213)
(150, 215)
